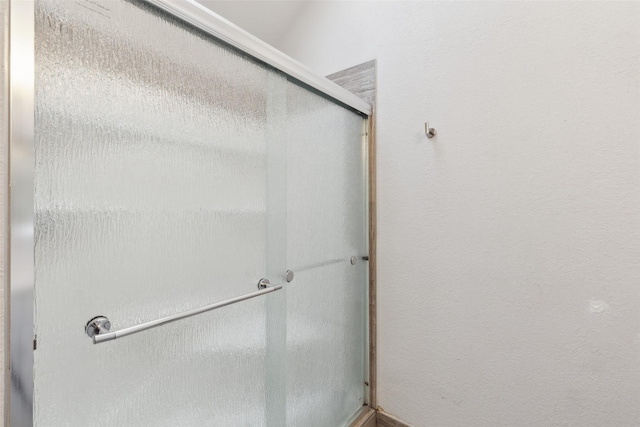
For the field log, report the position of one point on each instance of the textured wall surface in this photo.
(509, 250)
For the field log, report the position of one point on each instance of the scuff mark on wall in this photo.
(598, 307)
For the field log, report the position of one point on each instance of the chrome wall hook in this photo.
(430, 132)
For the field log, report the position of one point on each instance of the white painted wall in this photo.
(265, 19)
(509, 247)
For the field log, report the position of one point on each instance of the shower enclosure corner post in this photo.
(372, 240)
(19, 297)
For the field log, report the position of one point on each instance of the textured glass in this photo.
(172, 172)
(152, 197)
(326, 301)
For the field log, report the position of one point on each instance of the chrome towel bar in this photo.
(98, 326)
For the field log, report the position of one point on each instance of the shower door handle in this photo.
(99, 332)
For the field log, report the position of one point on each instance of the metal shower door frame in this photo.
(19, 302)
(19, 297)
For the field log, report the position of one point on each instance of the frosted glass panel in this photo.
(325, 228)
(173, 171)
(152, 197)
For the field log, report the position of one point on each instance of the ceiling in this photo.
(266, 19)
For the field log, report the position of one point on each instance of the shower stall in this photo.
(189, 224)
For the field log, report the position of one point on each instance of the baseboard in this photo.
(366, 419)
(385, 420)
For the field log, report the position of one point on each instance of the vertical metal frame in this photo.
(20, 311)
(366, 154)
(372, 313)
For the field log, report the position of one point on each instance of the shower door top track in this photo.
(200, 17)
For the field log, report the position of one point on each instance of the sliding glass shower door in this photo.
(172, 172)
(152, 196)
